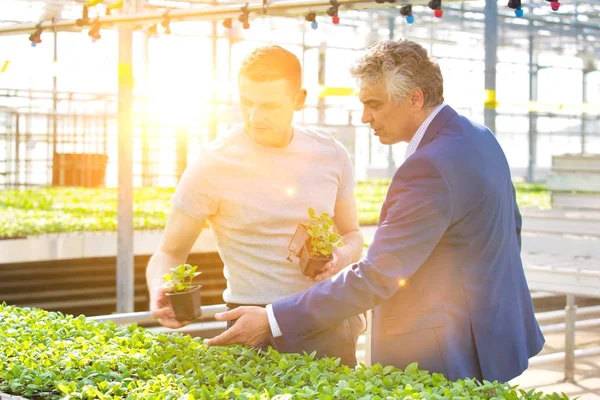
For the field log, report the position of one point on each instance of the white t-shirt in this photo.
(255, 196)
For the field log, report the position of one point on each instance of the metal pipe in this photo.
(491, 59)
(570, 319)
(543, 295)
(145, 317)
(196, 327)
(533, 94)
(557, 328)
(125, 256)
(212, 12)
(210, 311)
(55, 97)
(551, 315)
(555, 357)
(233, 10)
(584, 98)
(390, 153)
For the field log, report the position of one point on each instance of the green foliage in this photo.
(54, 210)
(180, 278)
(46, 356)
(323, 239)
(57, 210)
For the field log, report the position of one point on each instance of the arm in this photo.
(419, 212)
(180, 234)
(345, 219)
(195, 200)
(346, 223)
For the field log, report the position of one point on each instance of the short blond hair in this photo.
(402, 65)
(271, 63)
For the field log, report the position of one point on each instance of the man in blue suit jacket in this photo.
(443, 275)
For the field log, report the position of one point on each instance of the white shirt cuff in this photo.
(273, 322)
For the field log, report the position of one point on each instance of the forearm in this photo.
(353, 245)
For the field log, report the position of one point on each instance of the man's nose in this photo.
(256, 115)
(366, 117)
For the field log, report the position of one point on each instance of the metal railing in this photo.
(208, 324)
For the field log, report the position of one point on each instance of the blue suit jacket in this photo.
(444, 274)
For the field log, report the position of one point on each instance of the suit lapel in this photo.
(441, 119)
(437, 124)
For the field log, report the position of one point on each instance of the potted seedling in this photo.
(314, 242)
(183, 294)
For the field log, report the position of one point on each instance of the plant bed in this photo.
(39, 211)
(46, 355)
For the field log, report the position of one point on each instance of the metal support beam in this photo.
(55, 96)
(206, 13)
(588, 67)
(554, 357)
(146, 170)
(181, 150)
(230, 42)
(321, 77)
(533, 94)
(491, 59)
(584, 324)
(145, 317)
(549, 316)
(570, 320)
(214, 42)
(125, 259)
(391, 163)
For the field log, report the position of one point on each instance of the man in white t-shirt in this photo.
(253, 186)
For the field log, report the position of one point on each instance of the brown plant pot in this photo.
(298, 240)
(186, 305)
(311, 266)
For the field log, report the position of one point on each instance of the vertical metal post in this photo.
(391, 163)
(54, 100)
(491, 59)
(584, 98)
(533, 94)
(213, 102)
(322, 66)
(229, 67)
(125, 259)
(570, 318)
(181, 146)
(17, 181)
(146, 170)
(368, 336)
(303, 65)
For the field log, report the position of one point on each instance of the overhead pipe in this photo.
(209, 12)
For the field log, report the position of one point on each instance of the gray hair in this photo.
(403, 66)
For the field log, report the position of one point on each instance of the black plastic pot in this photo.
(311, 266)
(186, 305)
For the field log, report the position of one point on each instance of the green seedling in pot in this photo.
(182, 293)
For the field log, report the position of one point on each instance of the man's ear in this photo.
(417, 99)
(300, 100)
